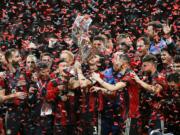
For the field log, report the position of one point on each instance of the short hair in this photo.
(145, 39)
(60, 62)
(177, 59)
(123, 35)
(107, 35)
(42, 66)
(169, 51)
(32, 56)
(157, 26)
(101, 38)
(46, 54)
(125, 58)
(68, 53)
(150, 58)
(9, 53)
(173, 77)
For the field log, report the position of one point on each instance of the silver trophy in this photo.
(81, 37)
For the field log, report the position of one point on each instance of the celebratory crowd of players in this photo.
(122, 87)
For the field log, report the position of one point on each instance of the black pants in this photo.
(173, 128)
(43, 125)
(64, 130)
(88, 124)
(17, 121)
(109, 126)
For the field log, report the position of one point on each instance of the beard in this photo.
(15, 64)
(44, 77)
(147, 73)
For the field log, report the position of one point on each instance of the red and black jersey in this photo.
(131, 96)
(45, 92)
(91, 101)
(65, 110)
(171, 107)
(153, 100)
(12, 84)
(156, 102)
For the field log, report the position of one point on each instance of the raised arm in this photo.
(110, 87)
(83, 81)
(153, 88)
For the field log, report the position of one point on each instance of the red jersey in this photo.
(92, 101)
(64, 109)
(153, 100)
(156, 99)
(131, 96)
(12, 84)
